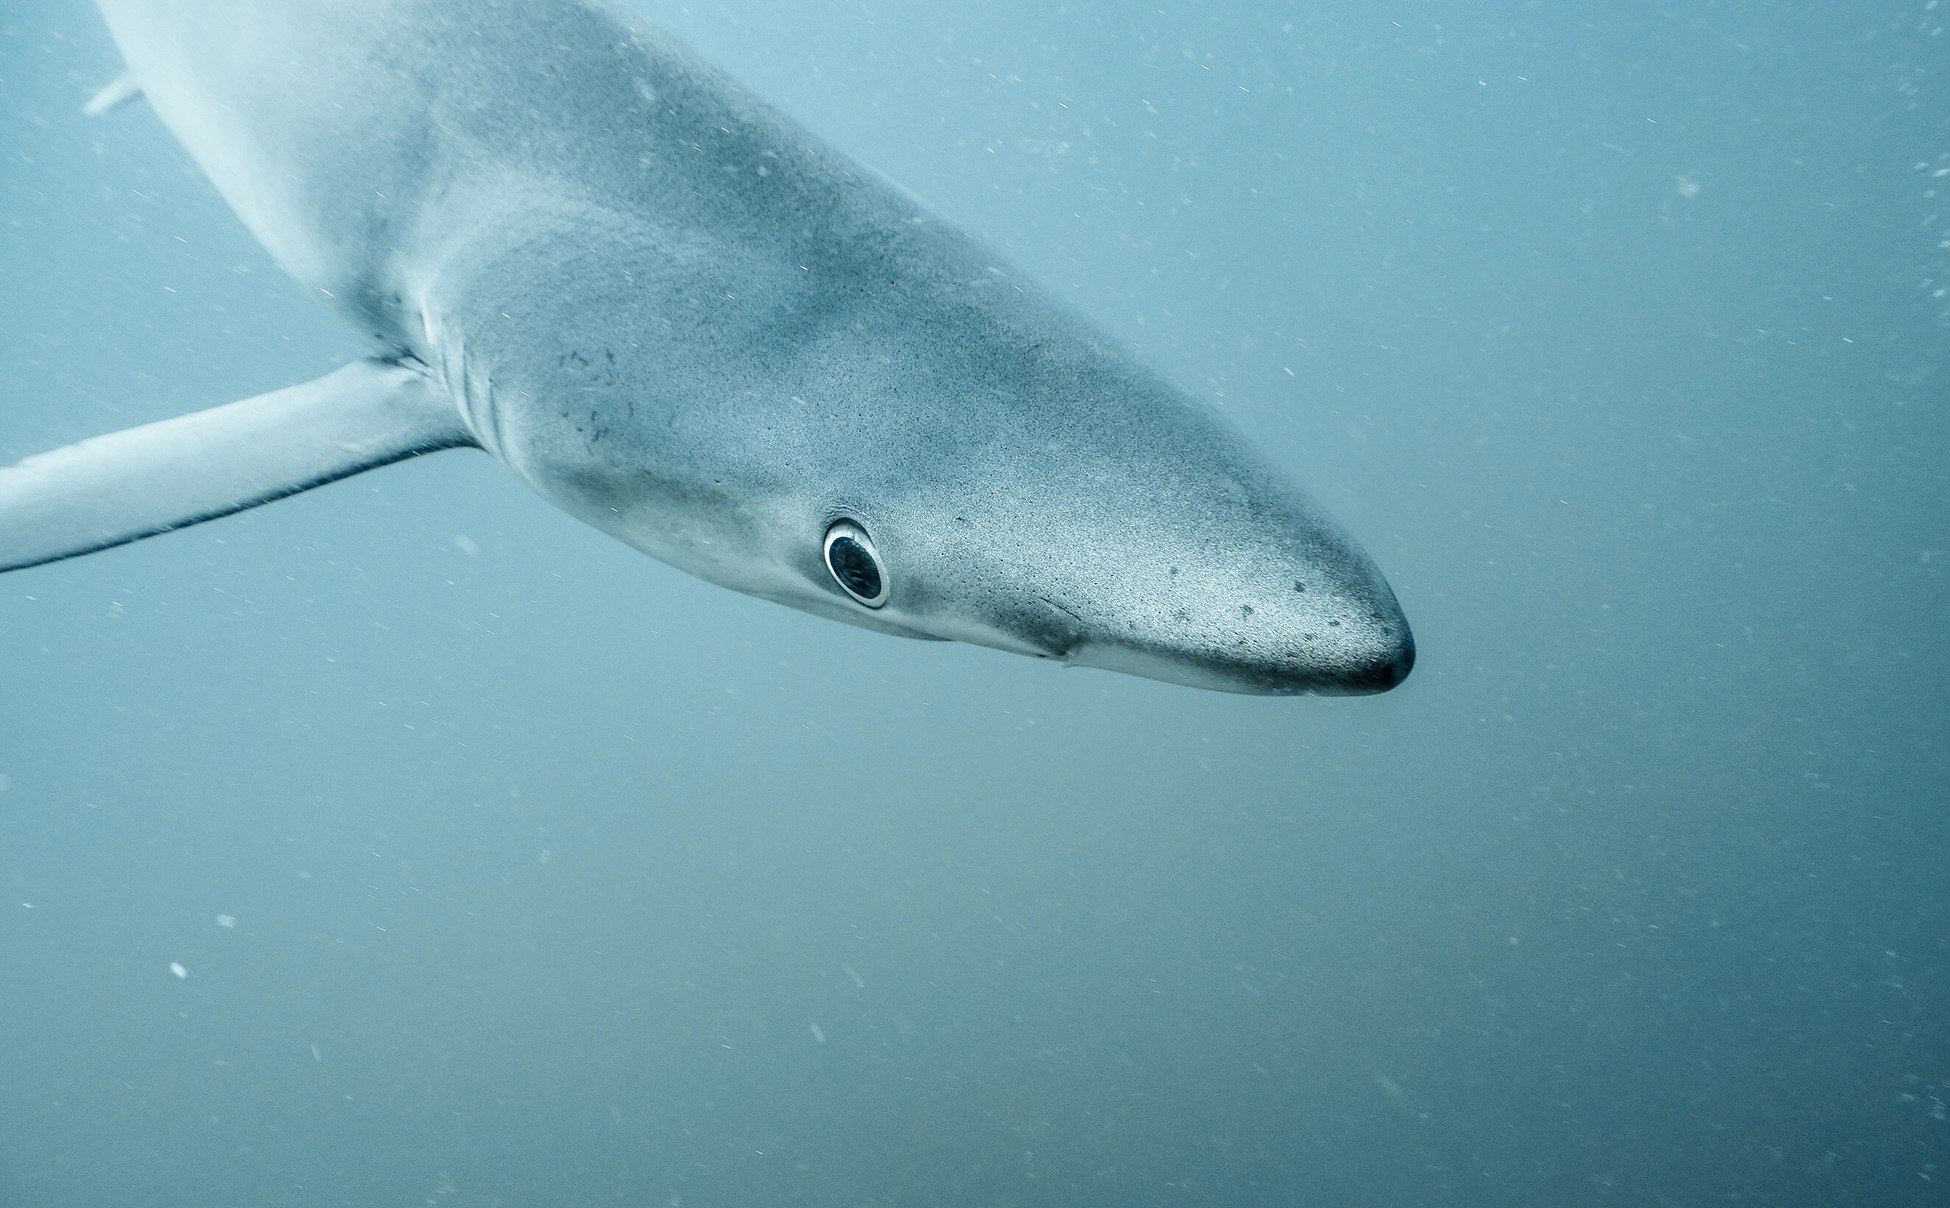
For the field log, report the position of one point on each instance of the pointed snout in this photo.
(1384, 665)
(1371, 648)
(1351, 669)
(1352, 644)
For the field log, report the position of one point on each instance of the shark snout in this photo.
(1364, 647)
(1354, 666)
(1383, 665)
(1345, 638)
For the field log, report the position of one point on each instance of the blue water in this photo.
(505, 866)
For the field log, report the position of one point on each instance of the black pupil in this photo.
(854, 567)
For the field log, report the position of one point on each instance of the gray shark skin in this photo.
(688, 322)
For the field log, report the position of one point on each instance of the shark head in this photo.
(975, 467)
(910, 437)
(1151, 541)
(1242, 594)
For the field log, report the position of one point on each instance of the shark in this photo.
(687, 321)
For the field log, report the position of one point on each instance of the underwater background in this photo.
(408, 843)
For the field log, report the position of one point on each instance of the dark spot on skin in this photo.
(1245, 610)
(1333, 624)
(1299, 586)
(1174, 570)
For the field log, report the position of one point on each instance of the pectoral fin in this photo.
(142, 481)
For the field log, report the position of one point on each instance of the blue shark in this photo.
(687, 321)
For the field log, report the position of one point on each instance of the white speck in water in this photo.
(857, 979)
(468, 545)
(817, 1034)
(316, 1055)
(178, 970)
(226, 920)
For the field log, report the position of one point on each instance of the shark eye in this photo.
(855, 564)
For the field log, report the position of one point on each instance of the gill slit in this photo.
(468, 384)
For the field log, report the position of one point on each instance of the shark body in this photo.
(690, 323)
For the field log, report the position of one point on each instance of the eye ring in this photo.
(855, 564)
